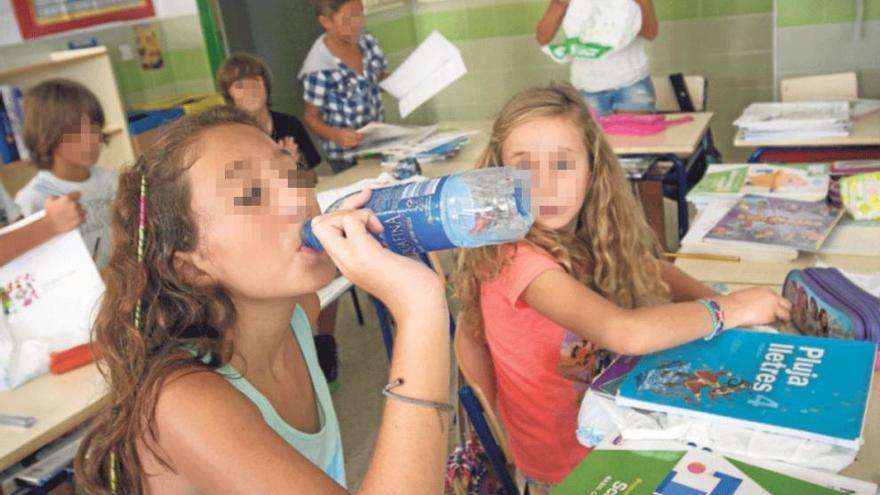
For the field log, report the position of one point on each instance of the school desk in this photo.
(863, 142)
(748, 274)
(59, 403)
(682, 144)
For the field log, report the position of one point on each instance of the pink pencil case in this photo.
(639, 125)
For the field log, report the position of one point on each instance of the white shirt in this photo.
(96, 197)
(616, 69)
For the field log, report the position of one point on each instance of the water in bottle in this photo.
(471, 209)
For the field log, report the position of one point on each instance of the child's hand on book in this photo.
(755, 306)
(63, 212)
(348, 138)
(407, 287)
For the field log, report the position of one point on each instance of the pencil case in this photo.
(70, 359)
(827, 304)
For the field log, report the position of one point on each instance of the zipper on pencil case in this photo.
(862, 304)
(867, 305)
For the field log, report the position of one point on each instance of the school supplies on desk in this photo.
(650, 467)
(49, 297)
(794, 120)
(802, 225)
(860, 195)
(825, 303)
(432, 66)
(639, 125)
(801, 181)
(807, 387)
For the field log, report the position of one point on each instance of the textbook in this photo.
(802, 225)
(665, 468)
(694, 241)
(802, 181)
(808, 387)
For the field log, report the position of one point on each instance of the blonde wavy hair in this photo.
(612, 250)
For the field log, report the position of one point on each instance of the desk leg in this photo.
(651, 197)
(681, 171)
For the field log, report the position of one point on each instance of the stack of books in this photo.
(794, 120)
(800, 181)
(798, 386)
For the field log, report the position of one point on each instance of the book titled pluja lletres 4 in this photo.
(804, 386)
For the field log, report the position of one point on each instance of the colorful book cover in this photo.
(802, 181)
(722, 179)
(802, 225)
(802, 386)
(619, 471)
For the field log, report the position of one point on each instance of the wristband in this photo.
(717, 317)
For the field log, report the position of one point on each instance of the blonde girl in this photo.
(585, 284)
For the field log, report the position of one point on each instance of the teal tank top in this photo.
(324, 448)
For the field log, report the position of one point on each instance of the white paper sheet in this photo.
(433, 66)
(48, 302)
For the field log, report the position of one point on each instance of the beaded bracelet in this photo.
(440, 406)
(717, 317)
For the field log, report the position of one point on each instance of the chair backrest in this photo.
(475, 363)
(16, 175)
(665, 95)
(839, 86)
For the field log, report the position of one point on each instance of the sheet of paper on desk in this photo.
(49, 298)
(380, 137)
(433, 66)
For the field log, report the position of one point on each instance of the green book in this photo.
(625, 471)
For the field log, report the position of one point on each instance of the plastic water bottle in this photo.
(472, 209)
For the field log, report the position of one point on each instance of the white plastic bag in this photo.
(594, 28)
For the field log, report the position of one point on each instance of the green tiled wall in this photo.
(803, 12)
(458, 21)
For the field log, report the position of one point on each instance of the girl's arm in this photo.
(649, 19)
(549, 24)
(62, 214)
(344, 137)
(683, 286)
(633, 332)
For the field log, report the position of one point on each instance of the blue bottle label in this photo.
(411, 216)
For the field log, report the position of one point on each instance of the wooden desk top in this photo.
(680, 140)
(865, 132)
(741, 275)
(58, 402)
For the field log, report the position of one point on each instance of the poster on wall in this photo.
(149, 46)
(41, 17)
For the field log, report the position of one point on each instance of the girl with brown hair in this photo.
(213, 387)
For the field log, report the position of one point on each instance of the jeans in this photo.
(637, 97)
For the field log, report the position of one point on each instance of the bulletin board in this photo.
(41, 17)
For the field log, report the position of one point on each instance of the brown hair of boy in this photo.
(242, 66)
(328, 7)
(53, 108)
(182, 325)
